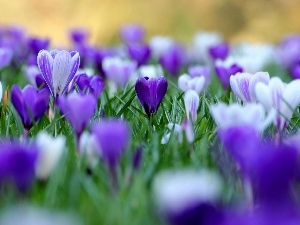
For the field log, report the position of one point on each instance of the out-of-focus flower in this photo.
(243, 84)
(79, 35)
(289, 51)
(88, 148)
(37, 44)
(250, 114)
(118, 70)
(202, 41)
(111, 138)
(58, 69)
(186, 127)
(219, 51)
(295, 71)
(281, 97)
(225, 69)
(200, 71)
(132, 33)
(6, 55)
(87, 84)
(139, 52)
(173, 59)
(150, 71)
(191, 203)
(34, 76)
(28, 215)
(191, 103)
(186, 82)
(1, 91)
(137, 158)
(50, 150)
(78, 108)
(30, 103)
(150, 92)
(159, 45)
(17, 163)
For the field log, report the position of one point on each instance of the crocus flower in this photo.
(17, 163)
(88, 84)
(6, 55)
(243, 84)
(34, 76)
(132, 33)
(30, 103)
(137, 158)
(186, 82)
(295, 71)
(111, 138)
(88, 149)
(50, 150)
(58, 69)
(150, 92)
(191, 203)
(200, 71)
(139, 52)
(78, 35)
(159, 45)
(37, 44)
(178, 130)
(289, 51)
(173, 59)
(225, 69)
(219, 51)
(191, 103)
(281, 97)
(78, 108)
(118, 70)
(232, 115)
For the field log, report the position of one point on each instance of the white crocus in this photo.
(178, 130)
(177, 190)
(243, 84)
(87, 148)
(186, 82)
(232, 115)
(191, 103)
(281, 97)
(159, 45)
(150, 71)
(50, 151)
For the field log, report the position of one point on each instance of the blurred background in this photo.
(255, 20)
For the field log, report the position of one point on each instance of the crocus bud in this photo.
(6, 55)
(150, 92)
(185, 83)
(219, 51)
(88, 148)
(191, 102)
(132, 33)
(50, 150)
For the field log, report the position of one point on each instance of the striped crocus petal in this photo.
(191, 102)
(45, 64)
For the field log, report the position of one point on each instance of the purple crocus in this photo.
(30, 103)
(219, 51)
(225, 69)
(173, 59)
(139, 52)
(78, 108)
(34, 76)
(17, 163)
(150, 92)
(6, 55)
(37, 44)
(79, 35)
(58, 69)
(132, 33)
(88, 84)
(112, 138)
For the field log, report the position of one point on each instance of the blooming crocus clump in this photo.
(58, 69)
(150, 92)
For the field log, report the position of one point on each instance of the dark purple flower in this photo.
(150, 92)
(17, 163)
(6, 55)
(79, 35)
(34, 76)
(112, 138)
(30, 103)
(139, 52)
(199, 71)
(173, 59)
(295, 71)
(289, 51)
(88, 84)
(225, 71)
(78, 108)
(37, 44)
(132, 33)
(219, 51)
(99, 55)
(58, 69)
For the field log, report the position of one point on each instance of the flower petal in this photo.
(45, 64)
